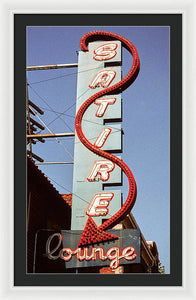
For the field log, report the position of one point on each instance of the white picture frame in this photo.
(188, 10)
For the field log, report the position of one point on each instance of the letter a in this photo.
(103, 78)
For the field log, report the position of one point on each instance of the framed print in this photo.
(64, 197)
(64, 239)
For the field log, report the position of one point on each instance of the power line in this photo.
(49, 107)
(59, 117)
(85, 120)
(71, 192)
(57, 78)
(67, 151)
(65, 75)
(89, 139)
(63, 113)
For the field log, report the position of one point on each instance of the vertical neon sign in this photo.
(106, 167)
(91, 170)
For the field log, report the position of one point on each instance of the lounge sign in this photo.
(58, 251)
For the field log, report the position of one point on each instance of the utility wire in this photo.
(89, 139)
(60, 114)
(63, 113)
(70, 74)
(58, 141)
(85, 120)
(71, 192)
(49, 107)
(57, 78)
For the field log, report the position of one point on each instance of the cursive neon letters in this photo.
(114, 254)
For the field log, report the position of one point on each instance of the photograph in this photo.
(99, 139)
(69, 182)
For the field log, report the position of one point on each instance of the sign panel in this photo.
(105, 79)
(58, 251)
(98, 68)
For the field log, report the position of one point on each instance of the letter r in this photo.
(102, 167)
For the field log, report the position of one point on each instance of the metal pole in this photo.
(28, 117)
(49, 67)
(36, 108)
(50, 135)
(35, 156)
(28, 212)
(56, 163)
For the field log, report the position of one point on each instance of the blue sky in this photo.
(145, 117)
